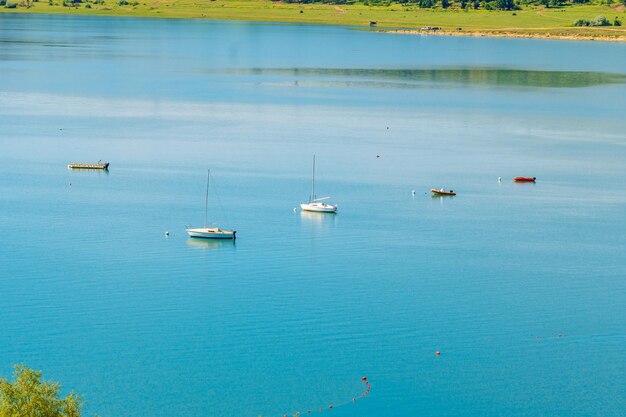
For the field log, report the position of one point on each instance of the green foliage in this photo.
(427, 4)
(365, 2)
(321, 1)
(30, 396)
(506, 5)
(598, 21)
(9, 6)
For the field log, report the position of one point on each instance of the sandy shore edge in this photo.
(498, 34)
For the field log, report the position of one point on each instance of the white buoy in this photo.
(295, 209)
(413, 192)
(499, 179)
(167, 233)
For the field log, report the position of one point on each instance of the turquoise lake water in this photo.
(521, 287)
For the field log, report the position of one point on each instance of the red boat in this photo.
(525, 179)
(441, 192)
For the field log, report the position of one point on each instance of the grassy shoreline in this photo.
(530, 22)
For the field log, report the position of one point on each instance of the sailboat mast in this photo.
(206, 197)
(313, 180)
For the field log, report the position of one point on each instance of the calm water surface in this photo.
(520, 286)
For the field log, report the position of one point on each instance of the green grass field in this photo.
(531, 21)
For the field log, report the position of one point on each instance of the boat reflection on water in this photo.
(88, 171)
(214, 244)
(441, 198)
(317, 218)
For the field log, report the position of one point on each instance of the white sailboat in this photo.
(209, 232)
(317, 204)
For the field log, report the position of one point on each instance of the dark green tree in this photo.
(506, 5)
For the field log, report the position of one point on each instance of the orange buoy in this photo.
(438, 353)
(330, 406)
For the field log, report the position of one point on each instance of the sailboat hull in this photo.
(319, 207)
(212, 233)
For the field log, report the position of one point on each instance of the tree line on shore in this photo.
(462, 4)
(510, 5)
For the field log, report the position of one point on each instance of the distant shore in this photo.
(529, 22)
(504, 34)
